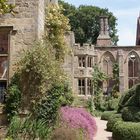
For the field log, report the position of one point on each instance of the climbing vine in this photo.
(56, 25)
(98, 78)
(116, 77)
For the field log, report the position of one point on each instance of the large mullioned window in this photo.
(85, 85)
(4, 41)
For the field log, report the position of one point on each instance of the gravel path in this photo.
(102, 134)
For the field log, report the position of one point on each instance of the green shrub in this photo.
(90, 105)
(130, 98)
(59, 95)
(126, 131)
(131, 114)
(13, 97)
(107, 114)
(113, 104)
(101, 103)
(28, 129)
(112, 120)
(80, 102)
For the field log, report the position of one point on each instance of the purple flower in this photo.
(79, 118)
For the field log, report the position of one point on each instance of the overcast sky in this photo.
(126, 11)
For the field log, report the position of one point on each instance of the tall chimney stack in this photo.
(104, 38)
(138, 31)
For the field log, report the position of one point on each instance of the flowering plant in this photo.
(79, 118)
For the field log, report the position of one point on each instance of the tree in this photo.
(5, 8)
(84, 21)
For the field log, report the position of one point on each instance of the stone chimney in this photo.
(138, 31)
(104, 38)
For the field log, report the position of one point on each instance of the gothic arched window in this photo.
(133, 69)
(107, 62)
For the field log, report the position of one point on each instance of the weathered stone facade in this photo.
(21, 30)
(104, 54)
(18, 32)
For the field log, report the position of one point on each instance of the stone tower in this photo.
(138, 31)
(104, 38)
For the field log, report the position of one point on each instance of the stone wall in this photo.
(27, 24)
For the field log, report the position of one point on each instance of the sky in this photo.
(126, 11)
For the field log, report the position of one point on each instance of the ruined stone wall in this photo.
(121, 54)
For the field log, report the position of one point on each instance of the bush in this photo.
(80, 119)
(131, 114)
(126, 131)
(48, 108)
(28, 129)
(112, 120)
(100, 103)
(13, 97)
(106, 103)
(113, 104)
(107, 114)
(80, 102)
(130, 98)
(90, 105)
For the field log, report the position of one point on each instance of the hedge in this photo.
(107, 114)
(112, 120)
(130, 98)
(131, 114)
(126, 131)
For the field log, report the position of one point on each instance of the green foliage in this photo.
(79, 102)
(130, 98)
(84, 21)
(126, 131)
(56, 25)
(100, 103)
(6, 8)
(112, 103)
(112, 120)
(98, 78)
(90, 105)
(105, 103)
(38, 70)
(14, 128)
(41, 84)
(107, 114)
(131, 113)
(56, 97)
(13, 97)
(116, 78)
(28, 129)
(40, 66)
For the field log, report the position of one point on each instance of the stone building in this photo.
(80, 64)
(19, 31)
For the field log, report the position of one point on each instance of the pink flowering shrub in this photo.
(79, 118)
